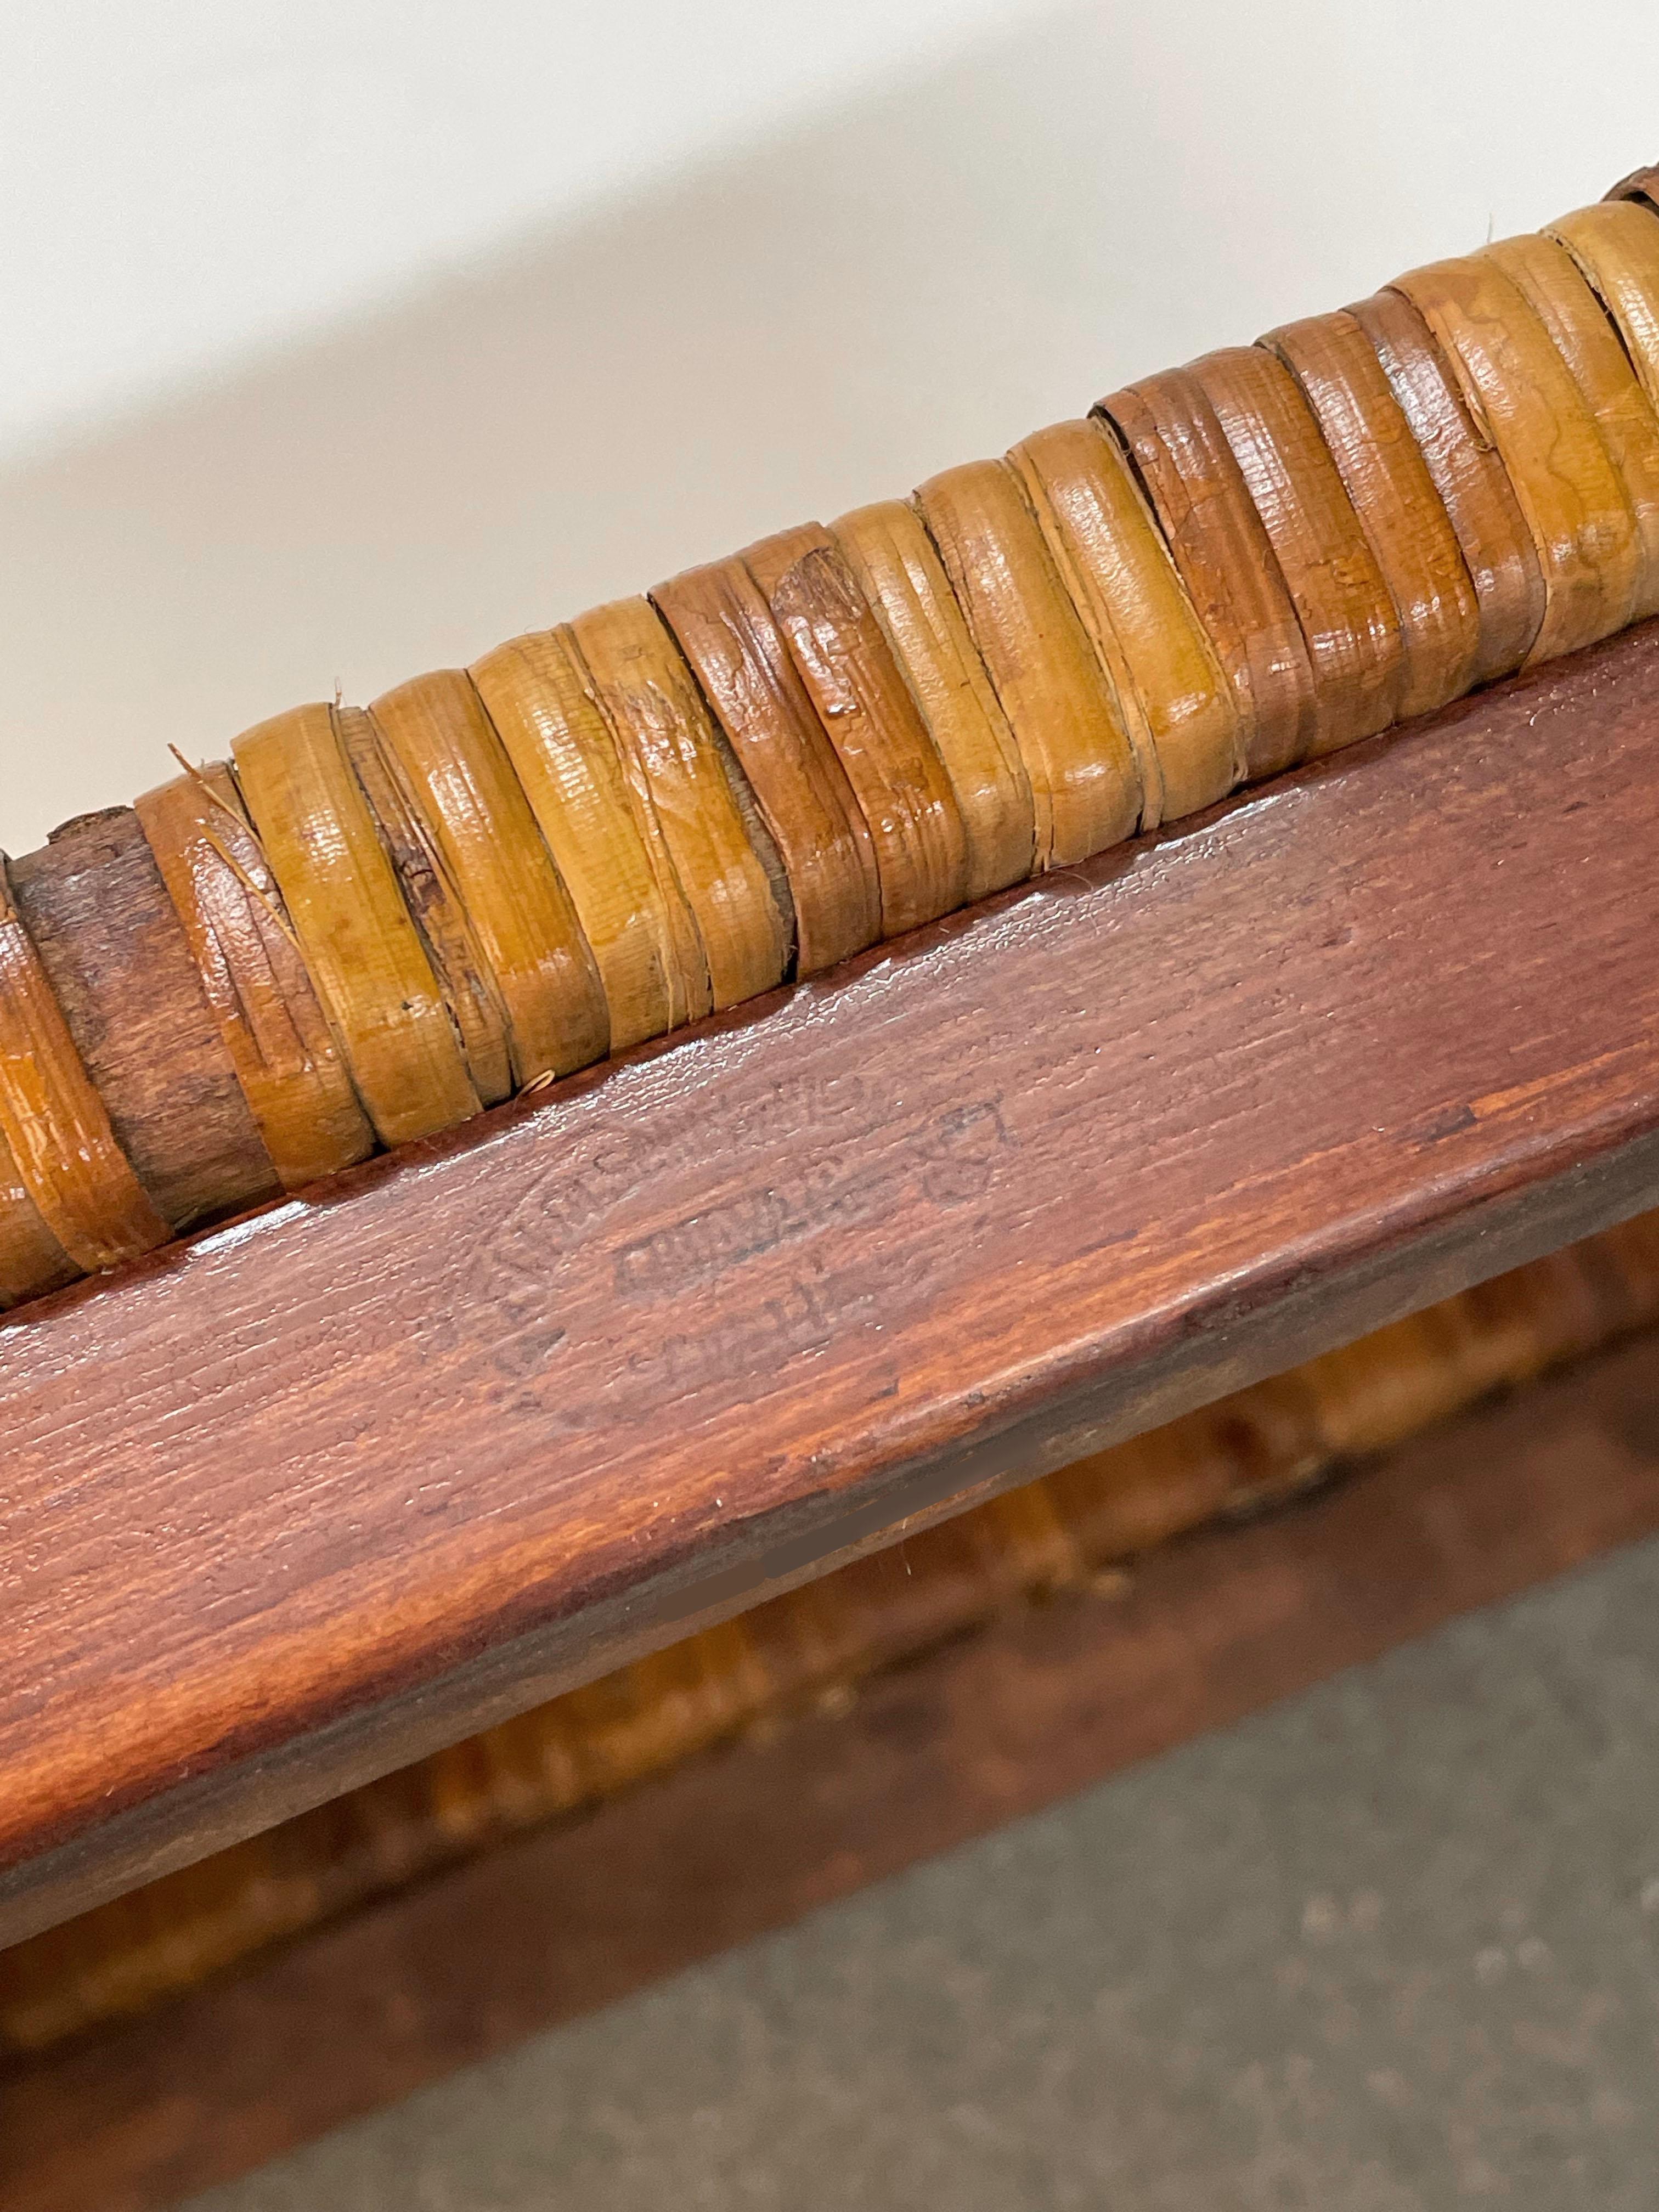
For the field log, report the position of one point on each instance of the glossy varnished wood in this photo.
(964, 1738)
(292, 1504)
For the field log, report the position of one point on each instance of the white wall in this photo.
(341, 338)
(183, 184)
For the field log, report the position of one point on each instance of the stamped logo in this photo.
(667, 1302)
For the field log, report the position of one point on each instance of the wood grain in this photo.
(112, 944)
(333, 1486)
(1047, 1701)
(247, 965)
(1221, 1462)
(59, 1140)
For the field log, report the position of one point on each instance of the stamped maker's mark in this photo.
(953, 1161)
(862, 1176)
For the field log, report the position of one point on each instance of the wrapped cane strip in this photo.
(899, 572)
(1394, 495)
(1522, 393)
(842, 656)
(63, 1148)
(1180, 453)
(365, 954)
(1178, 706)
(1346, 612)
(433, 899)
(108, 936)
(603, 837)
(290, 1069)
(726, 631)
(1055, 689)
(477, 816)
(1641, 186)
(1469, 474)
(665, 731)
(1545, 274)
(1616, 247)
(31, 1260)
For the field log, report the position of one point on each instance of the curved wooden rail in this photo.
(308, 1496)
(970, 1734)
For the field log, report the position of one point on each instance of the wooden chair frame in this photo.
(348, 1478)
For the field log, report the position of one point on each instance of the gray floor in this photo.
(1394, 1944)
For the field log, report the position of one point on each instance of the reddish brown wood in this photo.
(980, 1732)
(94, 904)
(300, 1502)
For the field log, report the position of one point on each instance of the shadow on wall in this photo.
(914, 280)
